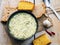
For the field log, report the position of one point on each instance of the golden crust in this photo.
(25, 5)
(42, 40)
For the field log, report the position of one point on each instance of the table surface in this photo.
(6, 40)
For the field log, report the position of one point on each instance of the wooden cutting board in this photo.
(6, 40)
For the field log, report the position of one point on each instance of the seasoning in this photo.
(49, 33)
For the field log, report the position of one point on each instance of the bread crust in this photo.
(39, 10)
(7, 12)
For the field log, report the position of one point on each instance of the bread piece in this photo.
(24, 5)
(7, 12)
(39, 10)
(42, 40)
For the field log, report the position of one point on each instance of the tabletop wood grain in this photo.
(6, 40)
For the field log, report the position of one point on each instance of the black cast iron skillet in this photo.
(21, 11)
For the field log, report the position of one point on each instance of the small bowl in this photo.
(21, 11)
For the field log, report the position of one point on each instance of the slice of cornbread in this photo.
(24, 5)
(42, 40)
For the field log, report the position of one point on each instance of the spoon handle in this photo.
(57, 15)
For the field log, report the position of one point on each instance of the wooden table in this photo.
(6, 40)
